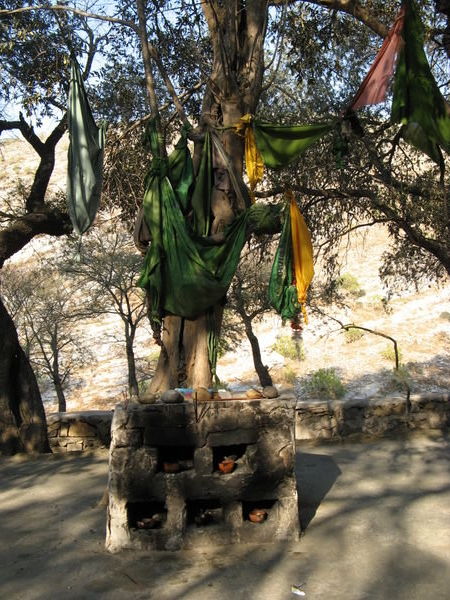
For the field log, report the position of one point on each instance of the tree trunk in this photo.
(62, 406)
(261, 369)
(237, 33)
(23, 426)
(133, 388)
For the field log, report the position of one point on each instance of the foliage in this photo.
(388, 353)
(288, 375)
(351, 285)
(289, 347)
(44, 308)
(353, 335)
(324, 383)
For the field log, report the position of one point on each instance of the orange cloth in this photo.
(302, 253)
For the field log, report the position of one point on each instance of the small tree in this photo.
(249, 301)
(107, 267)
(45, 312)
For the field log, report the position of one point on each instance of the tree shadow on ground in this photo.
(380, 530)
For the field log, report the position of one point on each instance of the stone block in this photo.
(232, 437)
(169, 436)
(81, 429)
(127, 437)
(203, 460)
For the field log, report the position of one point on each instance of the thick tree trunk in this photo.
(237, 33)
(23, 426)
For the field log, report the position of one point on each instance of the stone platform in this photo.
(198, 505)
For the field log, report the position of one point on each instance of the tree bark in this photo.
(133, 388)
(23, 426)
(262, 371)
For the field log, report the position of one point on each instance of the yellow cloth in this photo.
(302, 253)
(253, 160)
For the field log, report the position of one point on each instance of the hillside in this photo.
(419, 321)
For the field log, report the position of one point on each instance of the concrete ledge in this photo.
(374, 417)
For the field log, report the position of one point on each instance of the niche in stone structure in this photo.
(146, 515)
(204, 513)
(222, 453)
(259, 511)
(173, 459)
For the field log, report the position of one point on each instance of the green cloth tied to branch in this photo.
(417, 102)
(185, 274)
(282, 291)
(85, 156)
(281, 144)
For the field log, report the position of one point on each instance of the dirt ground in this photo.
(376, 518)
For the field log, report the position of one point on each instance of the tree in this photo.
(224, 43)
(106, 268)
(45, 309)
(35, 55)
(248, 299)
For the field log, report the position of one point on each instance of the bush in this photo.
(289, 348)
(445, 316)
(350, 284)
(388, 353)
(353, 335)
(325, 383)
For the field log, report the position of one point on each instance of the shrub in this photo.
(353, 335)
(289, 348)
(350, 284)
(388, 353)
(325, 383)
(445, 316)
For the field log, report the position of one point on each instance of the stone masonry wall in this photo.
(197, 504)
(79, 431)
(374, 417)
(315, 420)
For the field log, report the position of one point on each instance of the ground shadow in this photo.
(316, 475)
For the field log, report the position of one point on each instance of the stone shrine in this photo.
(202, 474)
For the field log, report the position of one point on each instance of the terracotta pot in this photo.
(226, 466)
(257, 515)
(171, 467)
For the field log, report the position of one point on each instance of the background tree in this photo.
(106, 267)
(46, 310)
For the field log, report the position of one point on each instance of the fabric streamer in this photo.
(85, 156)
(417, 102)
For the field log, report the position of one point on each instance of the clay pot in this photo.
(227, 466)
(171, 467)
(257, 515)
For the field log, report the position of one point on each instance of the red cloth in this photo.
(376, 83)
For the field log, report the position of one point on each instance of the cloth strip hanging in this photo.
(85, 156)
(417, 101)
(377, 81)
(292, 269)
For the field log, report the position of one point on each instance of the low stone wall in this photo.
(374, 417)
(315, 420)
(79, 431)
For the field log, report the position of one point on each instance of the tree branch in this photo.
(75, 11)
